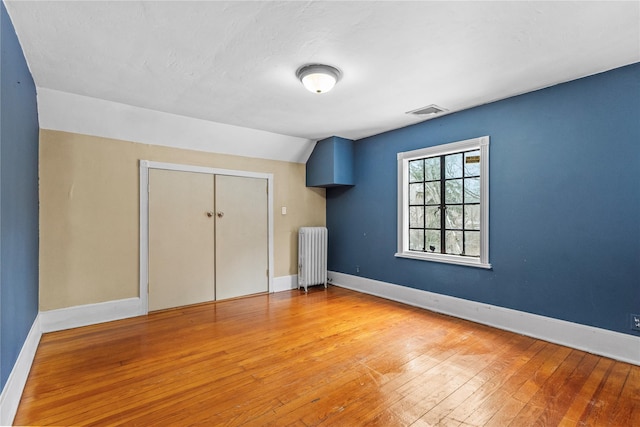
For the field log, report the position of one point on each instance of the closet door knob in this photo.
(220, 214)
(209, 214)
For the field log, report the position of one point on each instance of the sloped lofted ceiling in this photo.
(234, 62)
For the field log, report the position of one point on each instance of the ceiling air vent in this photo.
(427, 111)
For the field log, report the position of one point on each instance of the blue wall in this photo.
(564, 203)
(18, 199)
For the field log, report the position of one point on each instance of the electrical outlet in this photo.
(635, 322)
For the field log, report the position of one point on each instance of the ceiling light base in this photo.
(318, 78)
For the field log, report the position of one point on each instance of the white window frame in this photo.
(482, 144)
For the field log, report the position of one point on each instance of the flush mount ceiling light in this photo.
(318, 78)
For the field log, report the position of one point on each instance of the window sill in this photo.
(448, 259)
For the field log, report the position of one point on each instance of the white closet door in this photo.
(241, 236)
(181, 238)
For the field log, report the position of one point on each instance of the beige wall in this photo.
(89, 204)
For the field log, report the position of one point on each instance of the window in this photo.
(443, 203)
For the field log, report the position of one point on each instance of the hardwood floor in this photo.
(330, 357)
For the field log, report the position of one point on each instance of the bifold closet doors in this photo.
(208, 237)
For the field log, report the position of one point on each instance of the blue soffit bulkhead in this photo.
(331, 163)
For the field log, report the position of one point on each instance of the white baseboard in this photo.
(90, 314)
(12, 391)
(599, 341)
(285, 283)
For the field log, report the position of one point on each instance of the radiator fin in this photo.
(312, 256)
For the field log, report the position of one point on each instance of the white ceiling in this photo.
(234, 62)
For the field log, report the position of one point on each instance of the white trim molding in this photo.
(482, 145)
(13, 388)
(145, 165)
(285, 283)
(615, 345)
(89, 314)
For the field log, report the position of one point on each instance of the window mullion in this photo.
(424, 209)
(443, 206)
(464, 235)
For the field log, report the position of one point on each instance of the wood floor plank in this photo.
(607, 396)
(584, 398)
(545, 405)
(493, 380)
(526, 360)
(323, 358)
(445, 379)
(557, 401)
(627, 410)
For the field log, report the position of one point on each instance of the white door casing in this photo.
(145, 167)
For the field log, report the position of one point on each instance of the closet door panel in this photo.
(241, 236)
(181, 238)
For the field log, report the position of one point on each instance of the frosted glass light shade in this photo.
(318, 82)
(318, 78)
